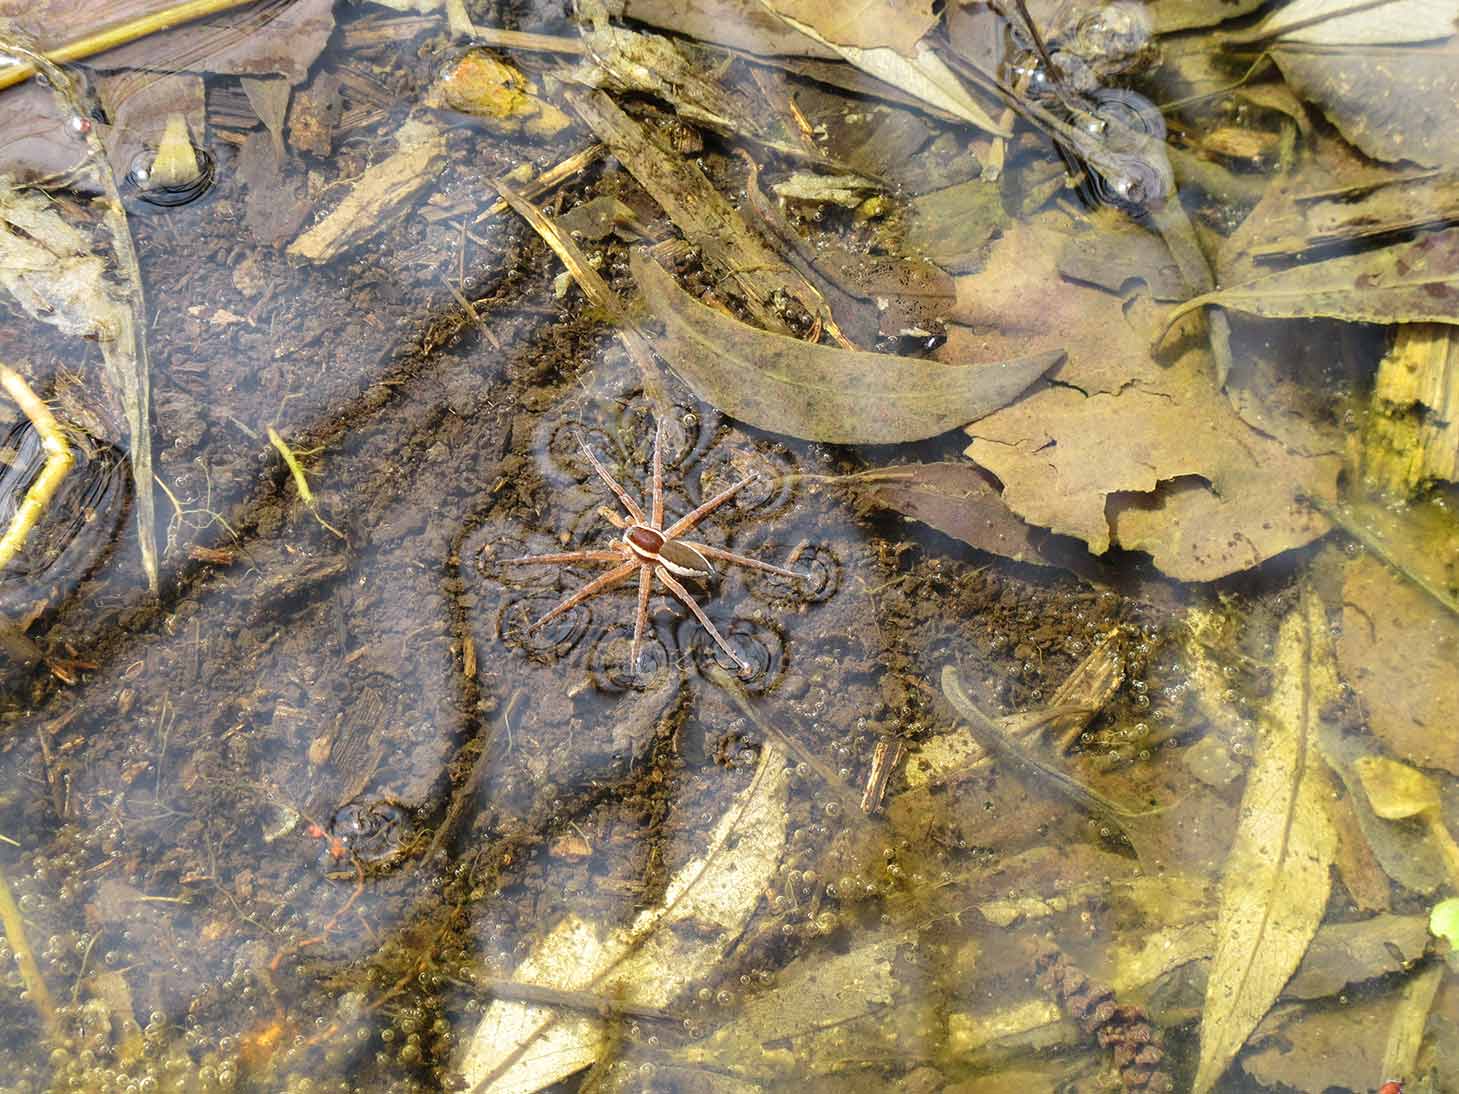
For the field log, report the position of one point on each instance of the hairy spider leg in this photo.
(689, 602)
(689, 520)
(640, 622)
(570, 556)
(658, 474)
(622, 494)
(592, 588)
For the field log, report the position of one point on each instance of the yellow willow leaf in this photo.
(1277, 878)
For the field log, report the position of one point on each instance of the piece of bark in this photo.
(314, 116)
(1412, 436)
(731, 250)
(387, 186)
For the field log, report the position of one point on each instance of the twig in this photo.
(531, 43)
(132, 377)
(30, 973)
(301, 481)
(597, 292)
(58, 463)
(548, 179)
(119, 35)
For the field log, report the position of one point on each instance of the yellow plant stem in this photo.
(119, 35)
(301, 482)
(58, 462)
(30, 973)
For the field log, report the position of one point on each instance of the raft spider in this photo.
(648, 549)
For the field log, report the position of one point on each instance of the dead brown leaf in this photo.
(1119, 448)
(1399, 653)
(865, 24)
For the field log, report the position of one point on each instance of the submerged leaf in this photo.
(816, 392)
(897, 58)
(522, 1046)
(1397, 652)
(1277, 878)
(1407, 283)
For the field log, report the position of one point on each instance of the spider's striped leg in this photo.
(689, 520)
(744, 560)
(571, 556)
(618, 491)
(657, 506)
(592, 588)
(645, 589)
(689, 602)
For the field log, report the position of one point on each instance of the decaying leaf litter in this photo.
(1154, 298)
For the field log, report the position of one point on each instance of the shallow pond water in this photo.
(1050, 689)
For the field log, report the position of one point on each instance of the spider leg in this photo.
(571, 556)
(689, 520)
(645, 588)
(612, 517)
(689, 602)
(592, 588)
(622, 494)
(744, 560)
(658, 475)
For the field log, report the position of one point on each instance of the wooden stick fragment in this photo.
(119, 35)
(30, 973)
(58, 463)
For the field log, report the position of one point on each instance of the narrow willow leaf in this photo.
(1276, 880)
(1409, 283)
(821, 393)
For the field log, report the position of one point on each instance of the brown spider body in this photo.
(651, 550)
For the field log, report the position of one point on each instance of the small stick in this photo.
(884, 760)
(548, 179)
(58, 463)
(300, 481)
(110, 37)
(30, 972)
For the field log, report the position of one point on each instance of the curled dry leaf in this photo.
(817, 392)
(864, 40)
(1275, 882)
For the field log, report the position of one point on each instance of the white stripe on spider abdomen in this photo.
(678, 558)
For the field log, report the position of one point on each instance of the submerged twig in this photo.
(596, 290)
(100, 41)
(58, 463)
(30, 973)
(130, 373)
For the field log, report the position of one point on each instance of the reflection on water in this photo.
(332, 811)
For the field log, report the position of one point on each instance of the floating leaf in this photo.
(818, 392)
(1276, 880)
